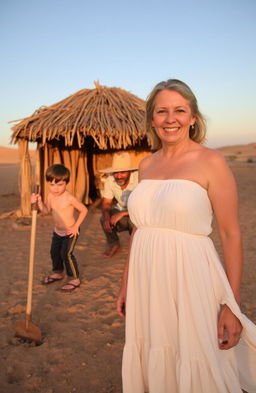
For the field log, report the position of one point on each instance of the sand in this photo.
(240, 153)
(82, 334)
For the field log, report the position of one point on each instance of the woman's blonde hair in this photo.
(197, 132)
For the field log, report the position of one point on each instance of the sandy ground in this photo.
(82, 334)
(240, 153)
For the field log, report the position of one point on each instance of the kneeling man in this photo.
(119, 184)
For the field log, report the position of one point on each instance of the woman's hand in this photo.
(229, 329)
(121, 302)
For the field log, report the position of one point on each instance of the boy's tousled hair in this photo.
(57, 172)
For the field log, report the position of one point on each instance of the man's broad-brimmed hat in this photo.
(121, 163)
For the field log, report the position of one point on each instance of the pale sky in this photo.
(51, 49)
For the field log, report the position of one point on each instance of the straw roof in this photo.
(113, 117)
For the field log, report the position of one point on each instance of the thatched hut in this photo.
(82, 132)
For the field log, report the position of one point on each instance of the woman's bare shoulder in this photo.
(217, 169)
(146, 161)
(145, 165)
(212, 156)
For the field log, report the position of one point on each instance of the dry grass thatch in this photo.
(113, 117)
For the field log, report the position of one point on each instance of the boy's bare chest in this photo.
(60, 206)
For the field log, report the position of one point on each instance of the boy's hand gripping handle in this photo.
(34, 206)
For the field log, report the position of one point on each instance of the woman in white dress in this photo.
(185, 332)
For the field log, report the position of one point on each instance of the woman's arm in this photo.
(222, 192)
(121, 301)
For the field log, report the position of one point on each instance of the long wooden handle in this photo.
(36, 189)
(31, 264)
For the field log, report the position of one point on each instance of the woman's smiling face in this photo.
(172, 117)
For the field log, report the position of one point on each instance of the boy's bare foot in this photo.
(71, 285)
(111, 251)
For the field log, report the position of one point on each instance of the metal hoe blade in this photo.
(28, 331)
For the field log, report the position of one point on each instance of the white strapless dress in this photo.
(176, 287)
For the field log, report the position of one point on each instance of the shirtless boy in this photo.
(61, 204)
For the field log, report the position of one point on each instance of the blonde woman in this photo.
(184, 329)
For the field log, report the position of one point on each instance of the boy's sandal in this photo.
(73, 287)
(49, 280)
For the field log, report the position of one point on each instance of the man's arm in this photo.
(106, 207)
(118, 216)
